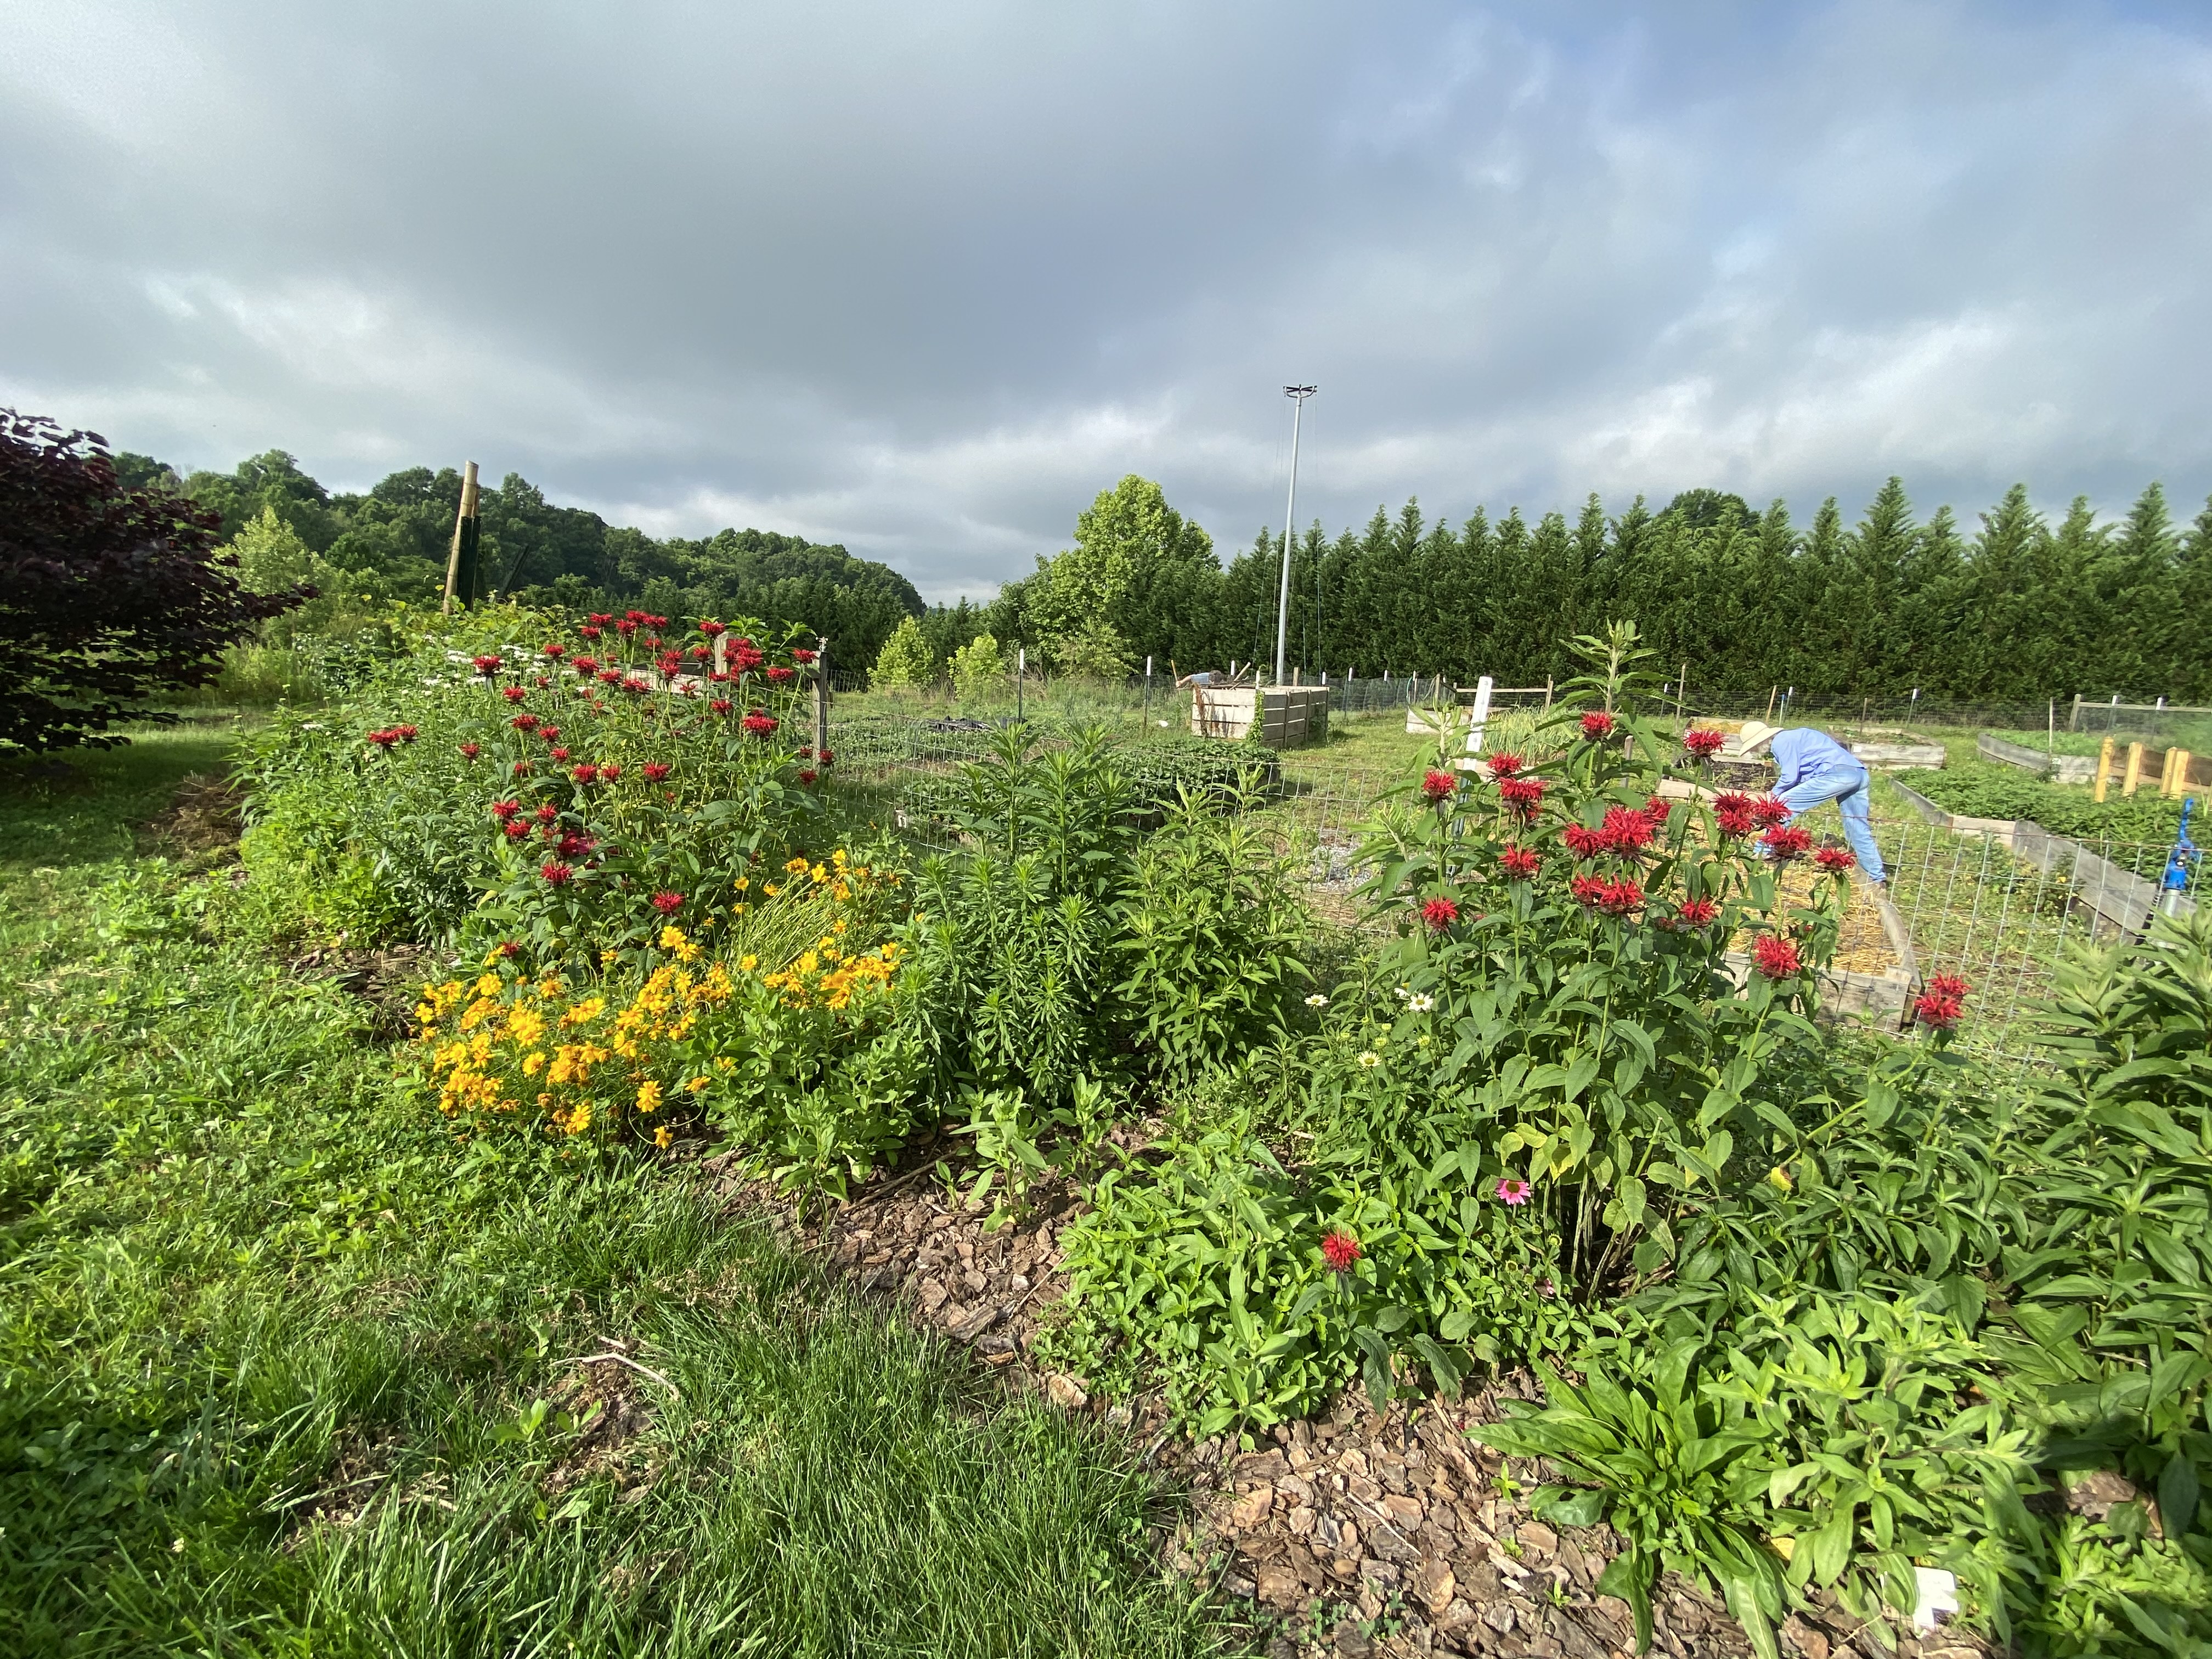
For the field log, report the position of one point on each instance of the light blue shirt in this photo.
(1802, 751)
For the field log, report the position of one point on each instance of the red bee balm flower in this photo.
(1513, 1190)
(1596, 724)
(524, 722)
(554, 651)
(384, 738)
(471, 750)
(1733, 814)
(1939, 1014)
(667, 903)
(1624, 831)
(781, 676)
(1770, 811)
(547, 811)
(759, 724)
(556, 873)
(1439, 913)
(1505, 766)
(1613, 898)
(1524, 795)
(803, 659)
(585, 773)
(656, 771)
(1581, 841)
(1339, 1249)
(1775, 956)
(1657, 808)
(610, 772)
(558, 754)
(490, 665)
(1948, 985)
(1834, 860)
(808, 776)
(512, 693)
(1438, 785)
(1784, 844)
(1519, 862)
(721, 706)
(504, 810)
(514, 828)
(1697, 913)
(710, 628)
(589, 631)
(1703, 742)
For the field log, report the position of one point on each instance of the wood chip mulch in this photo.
(1354, 1534)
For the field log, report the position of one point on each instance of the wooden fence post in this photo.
(461, 558)
(2104, 769)
(2181, 759)
(821, 699)
(2135, 770)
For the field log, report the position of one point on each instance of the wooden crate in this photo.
(1280, 716)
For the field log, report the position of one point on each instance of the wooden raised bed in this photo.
(1280, 716)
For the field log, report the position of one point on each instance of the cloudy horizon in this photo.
(924, 281)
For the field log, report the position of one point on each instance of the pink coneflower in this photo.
(1513, 1190)
(1339, 1249)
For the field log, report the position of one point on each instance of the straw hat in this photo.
(1755, 736)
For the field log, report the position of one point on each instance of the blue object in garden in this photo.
(2184, 853)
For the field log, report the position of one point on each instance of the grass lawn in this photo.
(285, 1370)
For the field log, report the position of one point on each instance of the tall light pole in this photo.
(1297, 395)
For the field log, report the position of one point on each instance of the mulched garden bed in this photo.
(1357, 1533)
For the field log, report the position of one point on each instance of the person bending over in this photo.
(1812, 767)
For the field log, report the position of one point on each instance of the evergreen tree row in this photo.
(2015, 608)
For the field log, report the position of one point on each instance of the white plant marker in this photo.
(1477, 718)
(1939, 1593)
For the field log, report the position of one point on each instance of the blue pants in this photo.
(1848, 791)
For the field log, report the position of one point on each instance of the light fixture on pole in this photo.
(1297, 395)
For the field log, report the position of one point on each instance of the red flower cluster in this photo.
(1697, 913)
(711, 629)
(512, 693)
(1776, 956)
(1657, 809)
(547, 811)
(1581, 841)
(514, 828)
(1518, 862)
(1834, 860)
(667, 903)
(556, 873)
(721, 705)
(504, 810)
(1769, 811)
(525, 722)
(1439, 913)
(609, 772)
(558, 753)
(1612, 897)
(759, 724)
(386, 737)
(1597, 725)
(1438, 785)
(1784, 844)
(1506, 766)
(656, 771)
(554, 652)
(585, 773)
(1703, 742)
(808, 776)
(585, 666)
(572, 843)
(471, 750)
(1944, 1005)
(1732, 812)
(1626, 832)
(803, 659)
(745, 656)
(781, 676)
(1524, 795)
(589, 631)
(1339, 1249)
(489, 665)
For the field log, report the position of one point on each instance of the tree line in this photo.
(391, 542)
(2017, 607)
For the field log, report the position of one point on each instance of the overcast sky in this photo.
(924, 279)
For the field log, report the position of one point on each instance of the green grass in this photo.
(248, 1279)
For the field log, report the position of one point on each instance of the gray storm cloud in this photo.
(922, 279)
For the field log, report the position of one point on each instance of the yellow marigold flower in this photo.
(580, 1118)
(838, 925)
(661, 1137)
(648, 1095)
(837, 858)
(771, 888)
(695, 1085)
(488, 986)
(526, 1026)
(794, 867)
(670, 936)
(584, 1012)
(744, 882)
(533, 1062)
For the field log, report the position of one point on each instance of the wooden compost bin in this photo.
(1280, 716)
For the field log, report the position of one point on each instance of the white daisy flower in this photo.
(1316, 1000)
(1420, 1002)
(1368, 1059)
